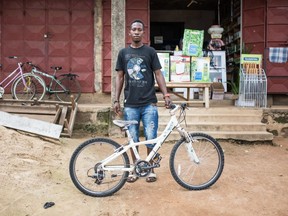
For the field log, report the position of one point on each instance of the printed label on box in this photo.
(200, 69)
(180, 68)
(193, 42)
(164, 59)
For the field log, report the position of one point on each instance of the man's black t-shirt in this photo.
(138, 65)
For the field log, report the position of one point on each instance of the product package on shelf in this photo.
(251, 63)
(200, 69)
(193, 42)
(164, 59)
(180, 68)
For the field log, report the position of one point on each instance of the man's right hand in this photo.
(117, 108)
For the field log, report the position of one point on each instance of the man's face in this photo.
(136, 32)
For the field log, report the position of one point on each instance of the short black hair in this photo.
(137, 21)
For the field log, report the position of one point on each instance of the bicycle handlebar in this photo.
(34, 66)
(175, 107)
(12, 57)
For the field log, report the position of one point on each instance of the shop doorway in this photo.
(168, 19)
(166, 35)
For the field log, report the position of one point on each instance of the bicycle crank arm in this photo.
(150, 167)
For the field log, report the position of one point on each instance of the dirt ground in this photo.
(34, 171)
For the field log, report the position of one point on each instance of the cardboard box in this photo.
(180, 68)
(164, 59)
(193, 42)
(217, 90)
(200, 69)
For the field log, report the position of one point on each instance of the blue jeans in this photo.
(149, 116)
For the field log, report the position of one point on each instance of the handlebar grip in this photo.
(184, 106)
(172, 106)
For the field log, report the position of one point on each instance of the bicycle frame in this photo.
(173, 123)
(52, 77)
(16, 73)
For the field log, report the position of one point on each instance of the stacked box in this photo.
(180, 68)
(193, 42)
(200, 69)
(164, 59)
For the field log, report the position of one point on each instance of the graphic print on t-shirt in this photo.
(136, 67)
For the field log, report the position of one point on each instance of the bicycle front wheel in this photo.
(86, 173)
(66, 87)
(194, 175)
(28, 87)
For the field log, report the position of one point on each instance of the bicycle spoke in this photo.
(67, 87)
(197, 176)
(86, 171)
(27, 88)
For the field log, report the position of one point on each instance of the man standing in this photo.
(138, 64)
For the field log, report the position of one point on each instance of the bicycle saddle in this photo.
(123, 123)
(56, 68)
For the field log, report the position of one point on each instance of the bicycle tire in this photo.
(84, 161)
(72, 86)
(36, 87)
(192, 175)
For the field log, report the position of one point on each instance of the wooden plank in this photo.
(30, 125)
(56, 112)
(46, 118)
(73, 117)
(25, 102)
(66, 131)
(186, 85)
(189, 85)
(28, 109)
(56, 117)
(187, 102)
(63, 115)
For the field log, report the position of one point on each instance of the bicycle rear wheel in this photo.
(86, 174)
(28, 88)
(71, 87)
(192, 175)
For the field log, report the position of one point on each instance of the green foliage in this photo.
(234, 87)
(235, 84)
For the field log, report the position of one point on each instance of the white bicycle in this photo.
(100, 167)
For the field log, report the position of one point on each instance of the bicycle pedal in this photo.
(157, 158)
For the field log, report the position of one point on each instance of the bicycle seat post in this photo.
(54, 74)
(56, 68)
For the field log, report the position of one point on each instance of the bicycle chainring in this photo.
(142, 168)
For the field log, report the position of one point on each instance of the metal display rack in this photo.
(252, 86)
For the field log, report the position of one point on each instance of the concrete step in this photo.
(243, 136)
(215, 126)
(221, 123)
(226, 122)
(195, 118)
(216, 110)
